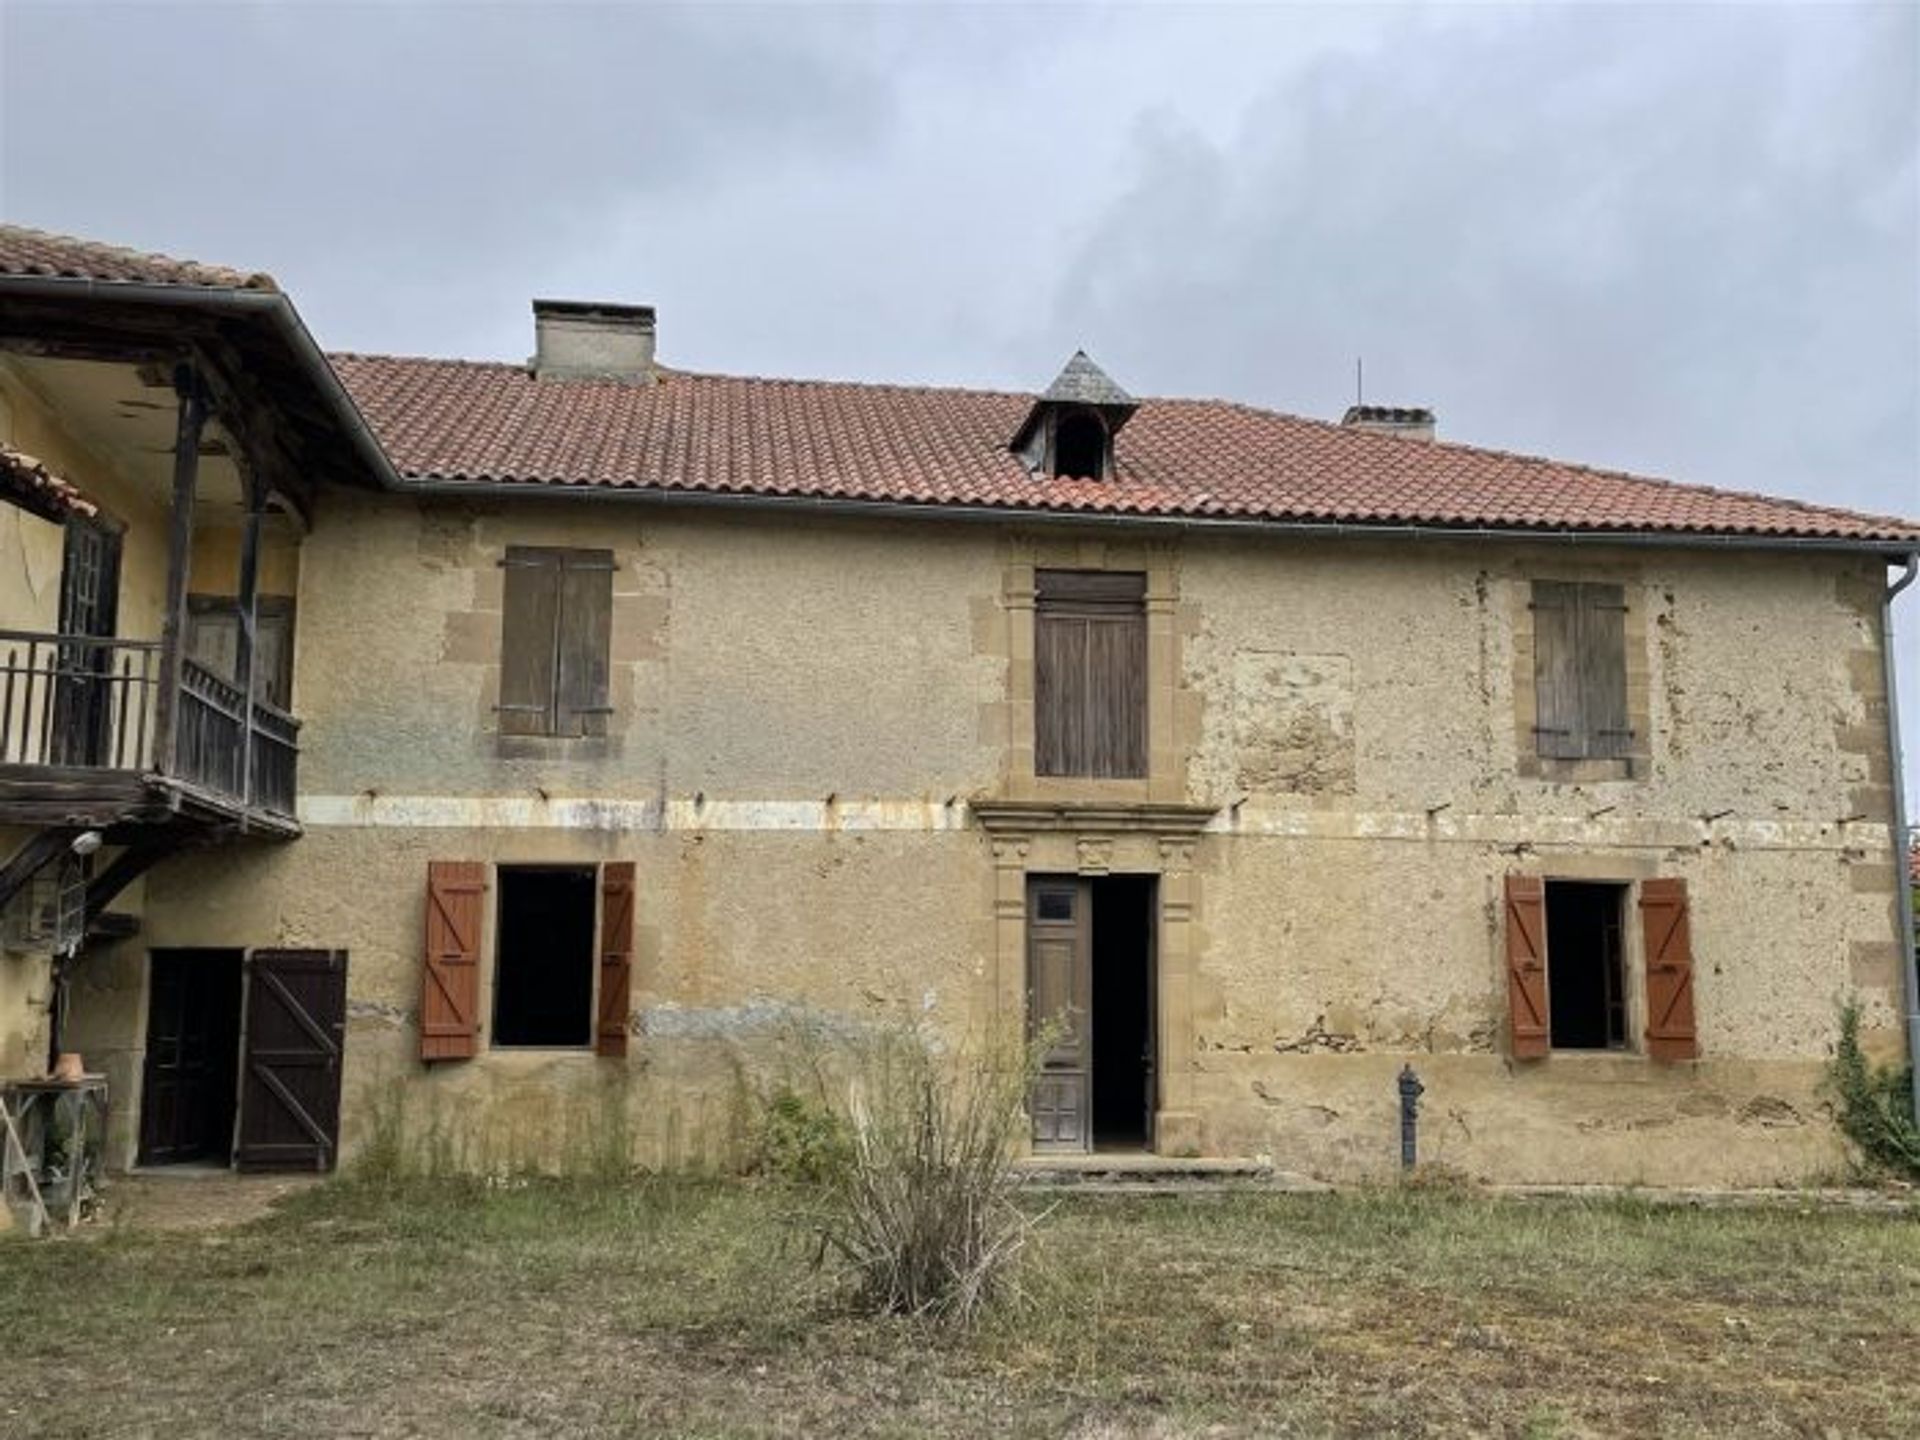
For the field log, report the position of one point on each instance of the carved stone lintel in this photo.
(1095, 856)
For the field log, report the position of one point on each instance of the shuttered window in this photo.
(1090, 673)
(1580, 670)
(556, 624)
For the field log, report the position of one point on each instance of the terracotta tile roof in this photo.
(462, 420)
(29, 483)
(39, 252)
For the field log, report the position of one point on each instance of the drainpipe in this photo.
(1902, 866)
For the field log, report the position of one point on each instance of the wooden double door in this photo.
(1091, 995)
(263, 1094)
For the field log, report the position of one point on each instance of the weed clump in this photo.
(1873, 1103)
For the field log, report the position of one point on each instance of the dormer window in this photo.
(1080, 446)
(1069, 433)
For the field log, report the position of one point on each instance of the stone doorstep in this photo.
(1141, 1171)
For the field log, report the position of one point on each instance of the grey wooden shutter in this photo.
(1556, 670)
(586, 624)
(1090, 674)
(1603, 670)
(529, 641)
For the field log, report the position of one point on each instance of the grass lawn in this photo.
(674, 1308)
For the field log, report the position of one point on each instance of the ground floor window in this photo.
(1586, 972)
(543, 956)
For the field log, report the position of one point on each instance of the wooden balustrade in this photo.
(88, 702)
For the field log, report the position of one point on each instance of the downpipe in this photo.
(1902, 866)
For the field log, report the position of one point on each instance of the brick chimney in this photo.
(592, 340)
(1408, 423)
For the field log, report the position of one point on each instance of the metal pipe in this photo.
(1902, 865)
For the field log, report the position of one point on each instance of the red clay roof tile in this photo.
(465, 420)
(25, 251)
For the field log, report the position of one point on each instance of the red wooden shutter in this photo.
(1527, 965)
(1668, 936)
(450, 979)
(616, 957)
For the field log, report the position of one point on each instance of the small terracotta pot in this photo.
(69, 1067)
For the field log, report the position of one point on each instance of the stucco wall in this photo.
(803, 710)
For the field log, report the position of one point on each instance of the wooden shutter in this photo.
(296, 1030)
(1668, 937)
(450, 978)
(1556, 670)
(586, 625)
(1603, 670)
(1090, 674)
(529, 641)
(1527, 966)
(1580, 670)
(616, 957)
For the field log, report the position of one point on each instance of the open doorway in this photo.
(1091, 980)
(192, 1060)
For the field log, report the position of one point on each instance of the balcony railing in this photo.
(82, 701)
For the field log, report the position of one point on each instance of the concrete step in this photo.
(1134, 1171)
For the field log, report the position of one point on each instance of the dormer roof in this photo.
(1081, 384)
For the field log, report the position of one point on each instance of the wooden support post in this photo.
(248, 605)
(173, 626)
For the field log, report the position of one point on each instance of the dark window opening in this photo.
(1586, 976)
(1090, 673)
(1123, 1005)
(543, 957)
(1080, 446)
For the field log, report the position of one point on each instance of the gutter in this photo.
(1197, 524)
(280, 312)
(1902, 866)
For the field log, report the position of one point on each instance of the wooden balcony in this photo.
(81, 736)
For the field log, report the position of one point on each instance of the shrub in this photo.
(922, 1213)
(1873, 1103)
(802, 1140)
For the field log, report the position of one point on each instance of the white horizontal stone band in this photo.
(464, 812)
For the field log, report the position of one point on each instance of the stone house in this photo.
(516, 740)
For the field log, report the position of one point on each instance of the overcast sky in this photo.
(1684, 241)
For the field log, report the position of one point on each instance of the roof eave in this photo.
(1249, 524)
(273, 306)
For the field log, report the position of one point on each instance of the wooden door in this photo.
(1060, 995)
(89, 602)
(193, 1037)
(296, 1025)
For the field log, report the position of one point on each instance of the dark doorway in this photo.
(1586, 989)
(1122, 1011)
(1091, 975)
(543, 957)
(296, 1035)
(193, 1052)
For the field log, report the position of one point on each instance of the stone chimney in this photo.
(1406, 422)
(591, 340)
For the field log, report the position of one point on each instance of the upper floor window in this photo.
(1580, 670)
(1090, 673)
(1080, 446)
(556, 624)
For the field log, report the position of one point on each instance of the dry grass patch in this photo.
(667, 1308)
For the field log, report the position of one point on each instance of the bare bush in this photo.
(922, 1211)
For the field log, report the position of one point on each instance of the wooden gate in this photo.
(290, 1098)
(1060, 996)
